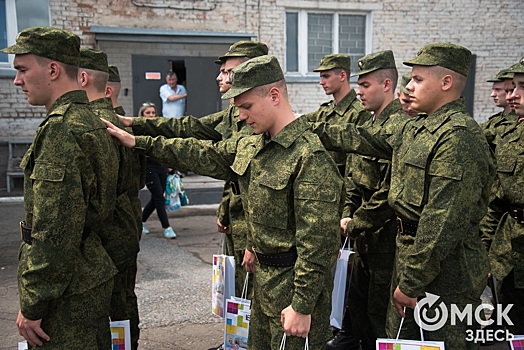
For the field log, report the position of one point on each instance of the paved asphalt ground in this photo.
(173, 288)
(173, 283)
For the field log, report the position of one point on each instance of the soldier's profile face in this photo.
(518, 94)
(33, 78)
(330, 81)
(405, 102)
(508, 88)
(424, 89)
(499, 94)
(253, 109)
(370, 92)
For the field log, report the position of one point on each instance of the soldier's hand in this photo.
(126, 121)
(295, 324)
(31, 330)
(344, 225)
(401, 300)
(222, 228)
(123, 137)
(249, 261)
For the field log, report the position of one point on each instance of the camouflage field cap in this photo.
(375, 61)
(114, 75)
(255, 72)
(496, 79)
(406, 77)
(505, 74)
(447, 55)
(244, 48)
(336, 60)
(518, 68)
(49, 42)
(93, 59)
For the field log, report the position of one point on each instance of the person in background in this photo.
(403, 95)
(173, 97)
(156, 176)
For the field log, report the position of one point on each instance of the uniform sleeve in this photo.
(62, 183)
(201, 157)
(372, 215)
(453, 176)
(352, 139)
(317, 193)
(223, 207)
(183, 127)
(497, 207)
(352, 196)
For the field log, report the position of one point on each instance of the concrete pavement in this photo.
(173, 284)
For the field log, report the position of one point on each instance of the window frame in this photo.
(303, 36)
(12, 32)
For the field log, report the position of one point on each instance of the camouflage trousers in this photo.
(369, 295)
(79, 321)
(124, 304)
(273, 292)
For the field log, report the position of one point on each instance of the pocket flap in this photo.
(312, 191)
(48, 172)
(506, 164)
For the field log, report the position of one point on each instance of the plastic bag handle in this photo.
(283, 343)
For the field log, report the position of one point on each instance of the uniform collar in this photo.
(291, 132)
(343, 105)
(101, 103)
(392, 108)
(434, 121)
(60, 106)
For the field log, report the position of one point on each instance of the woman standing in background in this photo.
(156, 176)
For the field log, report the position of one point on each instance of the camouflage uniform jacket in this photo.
(69, 185)
(507, 249)
(216, 127)
(348, 110)
(496, 124)
(373, 223)
(441, 176)
(120, 235)
(119, 110)
(291, 195)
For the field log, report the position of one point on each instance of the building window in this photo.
(312, 35)
(15, 16)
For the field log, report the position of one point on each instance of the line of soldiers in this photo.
(411, 190)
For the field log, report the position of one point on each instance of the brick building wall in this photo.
(492, 30)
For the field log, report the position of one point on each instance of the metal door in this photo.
(149, 73)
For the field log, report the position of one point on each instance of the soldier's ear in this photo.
(447, 82)
(54, 70)
(109, 91)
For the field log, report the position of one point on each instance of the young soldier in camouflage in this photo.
(441, 176)
(216, 127)
(403, 95)
(345, 107)
(367, 218)
(290, 191)
(120, 234)
(497, 123)
(507, 208)
(65, 276)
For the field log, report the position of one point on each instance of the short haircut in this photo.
(70, 71)
(337, 71)
(459, 81)
(387, 73)
(98, 78)
(171, 74)
(263, 90)
(116, 86)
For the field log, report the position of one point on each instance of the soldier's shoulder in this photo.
(312, 142)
